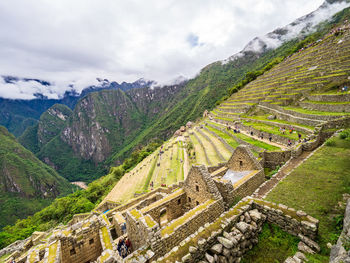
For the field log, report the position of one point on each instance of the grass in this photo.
(264, 118)
(135, 213)
(274, 245)
(232, 142)
(106, 238)
(314, 112)
(170, 228)
(257, 143)
(3, 257)
(150, 173)
(198, 149)
(149, 221)
(273, 130)
(209, 149)
(52, 252)
(226, 154)
(316, 187)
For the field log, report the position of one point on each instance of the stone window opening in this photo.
(72, 252)
(189, 200)
(179, 201)
(240, 163)
(91, 241)
(197, 188)
(197, 203)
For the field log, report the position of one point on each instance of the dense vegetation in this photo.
(274, 245)
(317, 187)
(63, 209)
(27, 184)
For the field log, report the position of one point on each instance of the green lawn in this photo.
(273, 130)
(274, 246)
(316, 187)
(232, 142)
(264, 118)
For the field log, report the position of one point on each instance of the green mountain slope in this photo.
(27, 185)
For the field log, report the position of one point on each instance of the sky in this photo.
(75, 41)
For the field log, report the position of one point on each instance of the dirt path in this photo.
(185, 163)
(265, 188)
(80, 184)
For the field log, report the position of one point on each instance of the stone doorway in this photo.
(163, 217)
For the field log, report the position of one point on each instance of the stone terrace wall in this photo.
(250, 185)
(332, 98)
(337, 124)
(275, 138)
(211, 213)
(274, 159)
(297, 114)
(325, 107)
(223, 238)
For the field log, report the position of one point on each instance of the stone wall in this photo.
(243, 159)
(199, 186)
(325, 107)
(83, 247)
(249, 185)
(337, 124)
(274, 138)
(273, 108)
(226, 189)
(236, 231)
(192, 224)
(330, 97)
(174, 208)
(135, 231)
(274, 159)
(338, 251)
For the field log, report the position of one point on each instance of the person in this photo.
(262, 136)
(123, 228)
(289, 143)
(345, 88)
(128, 246)
(123, 250)
(120, 245)
(299, 135)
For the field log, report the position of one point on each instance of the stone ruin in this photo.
(161, 222)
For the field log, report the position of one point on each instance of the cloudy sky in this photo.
(75, 41)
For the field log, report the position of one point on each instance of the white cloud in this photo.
(66, 41)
